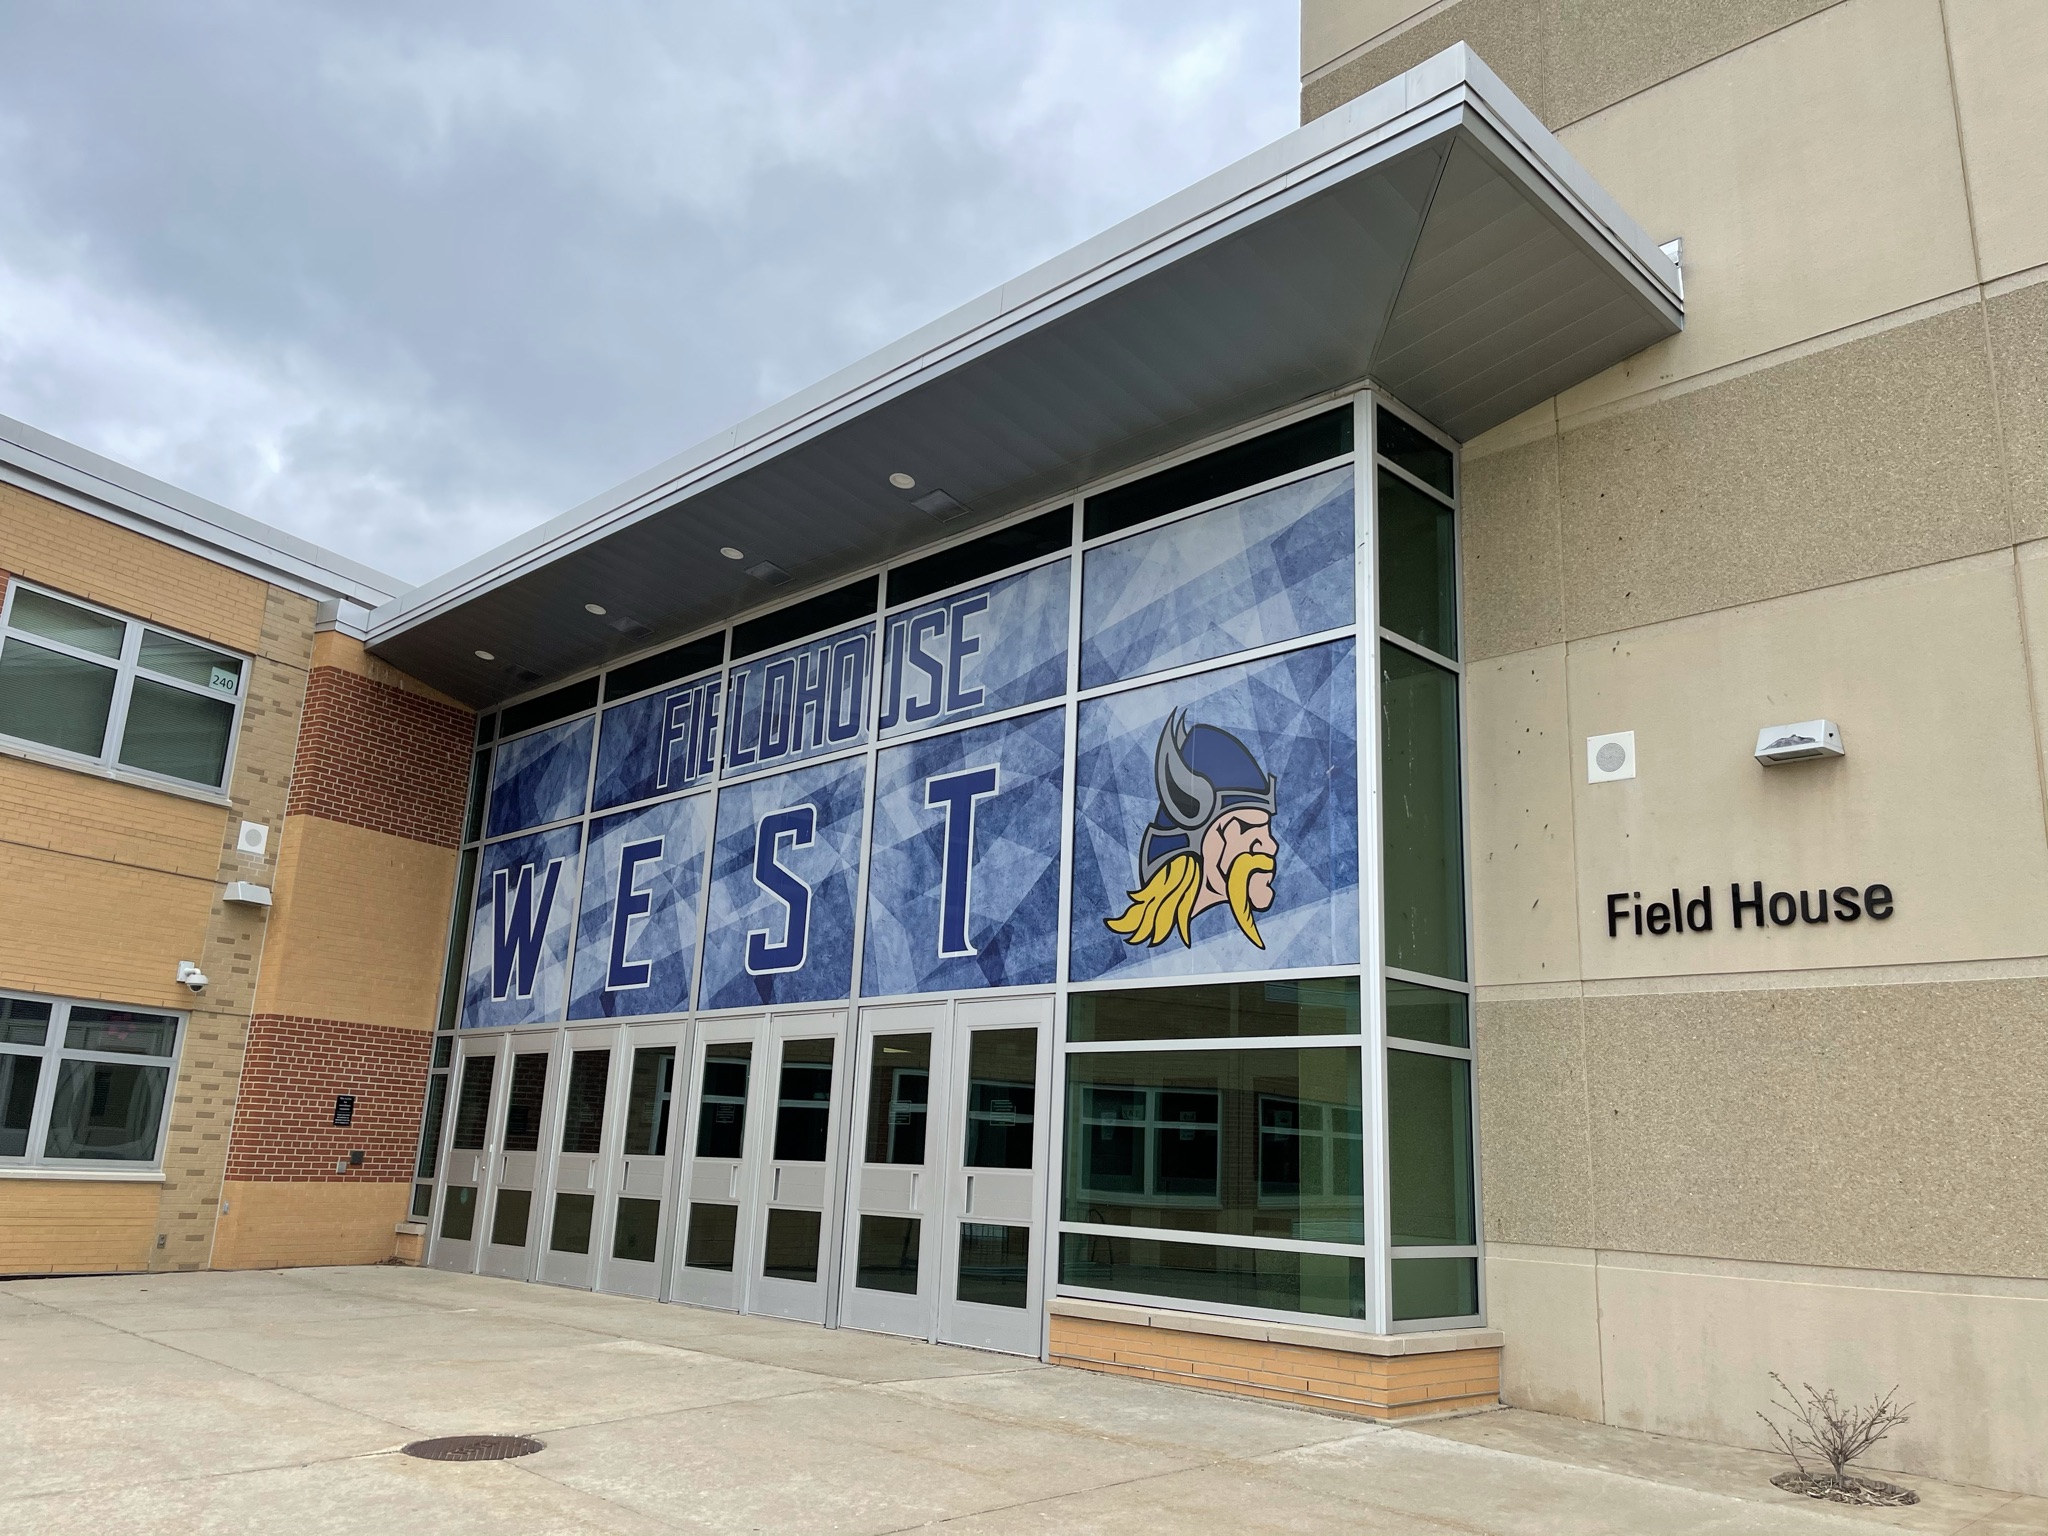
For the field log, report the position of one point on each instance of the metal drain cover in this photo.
(473, 1448)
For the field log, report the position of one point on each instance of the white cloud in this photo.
(407, 280)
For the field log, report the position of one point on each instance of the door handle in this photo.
(970, 1196)
(775, 1189)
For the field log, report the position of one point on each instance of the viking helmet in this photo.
(1201, 771)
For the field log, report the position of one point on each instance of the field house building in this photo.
(1413, 779)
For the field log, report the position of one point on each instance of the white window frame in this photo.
(52, 1054)
(127, 667)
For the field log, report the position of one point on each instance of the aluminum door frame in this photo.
(629, 1175)
(1011, 1198)
(698, 1287)
(505, 1173)
(576, 1172)
(793, 1299)
(456, 1255)
(913, 1315)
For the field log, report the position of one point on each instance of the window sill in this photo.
(1434, 1341)
(84, 1175)
(53, 759)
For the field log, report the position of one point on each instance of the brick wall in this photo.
(292, 1071)
(385, 758)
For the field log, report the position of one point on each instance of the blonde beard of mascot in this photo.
(1212, 842)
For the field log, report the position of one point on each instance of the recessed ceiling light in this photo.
(733, 554)
(903, 482)
(485, 656)
(596, 608)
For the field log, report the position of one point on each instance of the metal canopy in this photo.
(1430, 236)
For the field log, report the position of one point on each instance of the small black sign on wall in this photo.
(344, 1109)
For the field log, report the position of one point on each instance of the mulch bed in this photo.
(1845, 1490)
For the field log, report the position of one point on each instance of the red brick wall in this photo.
(294, 1068)
(375, 756)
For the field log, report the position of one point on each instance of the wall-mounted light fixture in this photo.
(1798, 742)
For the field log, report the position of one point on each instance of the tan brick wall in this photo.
(89, 557)
(1338, 1381)
(360, 929)
(276, 1226)
(236, 939)
(75, 1227)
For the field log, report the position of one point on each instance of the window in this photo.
(83, 1085)
(117, 692)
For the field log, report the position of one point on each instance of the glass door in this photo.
(515, 1169)
(793, 1250)
(889, 1273)
(568, 1257)
(991, 1241)
(723, 1134)
(636, 1225)
(466, 1165)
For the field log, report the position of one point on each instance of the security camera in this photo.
(191, 975)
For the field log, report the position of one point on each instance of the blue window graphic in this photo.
(519, 921)
(793, 827)
(628, 906)
(956, 794)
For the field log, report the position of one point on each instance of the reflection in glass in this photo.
(1447, 1287)
(995, 1265)
(116, 1030)
(18, 1078)
(803, 1108)
(1424, 855)
(458, 942)
(1314, 1005)
(458, 1213)
(573, 1214)
(524, 1102)
(107, 1111)
(638, 1229)
(791, 1249)
(1418, 567)
(179, 734)
(23, 1022)
(583, 1110)
(887, 1256)
(1330, 1284)
(473, 1103)
(189, 663)
(1429, 1149)
(899, 1090)
(1256, 1143)
(430, 1128)
(66, 623)
(509, 1216)
(1427, 1013)
(1002, 1097)
(57, 700)
(647, 1100)
(722, 1107)
(1415, 451)
(713, 1229)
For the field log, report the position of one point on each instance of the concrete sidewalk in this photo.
(276, 1400)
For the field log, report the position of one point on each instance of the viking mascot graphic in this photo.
(1212, 842)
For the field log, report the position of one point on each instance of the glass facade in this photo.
(1116, 751)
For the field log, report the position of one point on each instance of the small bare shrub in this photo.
(1818, 1425)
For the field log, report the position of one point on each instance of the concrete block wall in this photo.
(1813, 1148)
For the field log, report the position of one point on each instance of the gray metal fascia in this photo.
(76, 477)
(1430, 99)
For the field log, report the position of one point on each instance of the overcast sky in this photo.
(406, 279)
